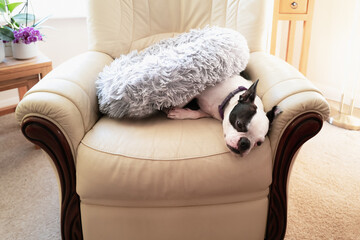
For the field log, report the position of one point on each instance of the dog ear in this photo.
(250, 94)
(273, 113)
(245, 75)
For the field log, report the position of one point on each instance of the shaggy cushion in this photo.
(171, 72)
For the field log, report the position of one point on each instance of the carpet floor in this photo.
(324, 190)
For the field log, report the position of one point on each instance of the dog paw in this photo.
(185, 113)
(179, 113)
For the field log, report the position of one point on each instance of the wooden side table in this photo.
(293, 11)
(23, 75)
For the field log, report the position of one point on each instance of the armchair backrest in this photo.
(117, 27)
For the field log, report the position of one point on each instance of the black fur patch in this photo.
(245, 75)
(241, 116)
(273, 113)
(193, 105)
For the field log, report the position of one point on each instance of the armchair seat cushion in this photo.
(158, 162)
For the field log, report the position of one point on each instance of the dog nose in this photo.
(243, 144)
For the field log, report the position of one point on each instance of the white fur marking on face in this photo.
(257, 130)
(258, 126)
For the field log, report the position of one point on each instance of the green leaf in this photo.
(4, 1)
(41, 21)
(2, 7)
(12, 6)
(6, 34)
(22, 18)
(14, 24)
(7, 27)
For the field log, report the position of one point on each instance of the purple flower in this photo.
(27, 35)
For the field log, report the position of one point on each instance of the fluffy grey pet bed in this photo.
(170, 72)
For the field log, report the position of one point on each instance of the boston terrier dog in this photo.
(245, 124)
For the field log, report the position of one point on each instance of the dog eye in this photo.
(259, 143)
(239, 124)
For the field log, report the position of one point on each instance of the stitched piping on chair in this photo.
(211, 12)
(245, 200)
(226, 11)
(60, 95)
(150, 26)
(173, 34)
(70, 100)
(71, 143)
(82, 118)
(149, 159)
(308, 89)
(287, 123)
(133, 24)
(180, 24)
(73, 151)
(237, 15)
(121, 23)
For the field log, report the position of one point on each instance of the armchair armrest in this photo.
(55, 114)
(283, 85)
(67, 96)
(304, 110)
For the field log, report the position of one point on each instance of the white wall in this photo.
(334, 54)
(334, 57)
(57, 9)
(66, 38)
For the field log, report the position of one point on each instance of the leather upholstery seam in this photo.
(183, 206)
(226, 11)
(103, 151)
(237, 15)
(290, 79)
(65, 97)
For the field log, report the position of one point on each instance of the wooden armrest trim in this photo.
(48, 136)
(295, 135)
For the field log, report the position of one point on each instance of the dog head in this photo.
(245, 123)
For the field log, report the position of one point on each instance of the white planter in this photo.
(8, 49)
(2, 51)
(24, 51)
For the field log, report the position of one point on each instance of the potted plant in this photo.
(20, 29)
(23, 45)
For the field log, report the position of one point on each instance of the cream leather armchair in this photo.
(168, 179)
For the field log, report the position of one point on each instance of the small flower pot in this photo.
(24, 51)
(8, 49)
